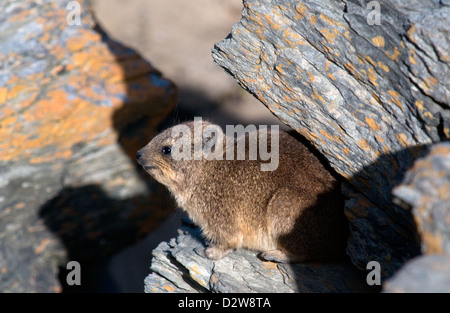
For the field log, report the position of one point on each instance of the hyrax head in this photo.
(169, 156)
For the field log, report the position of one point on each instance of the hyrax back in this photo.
(293, 213)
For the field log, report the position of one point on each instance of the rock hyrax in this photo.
(291, 214)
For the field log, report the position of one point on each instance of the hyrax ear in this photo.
(212, 140)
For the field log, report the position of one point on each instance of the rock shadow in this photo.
(92, 227)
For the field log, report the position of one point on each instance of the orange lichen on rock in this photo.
(378, 41)
(364, 145)
(394, 55)
(292, 38)
(383, 66)
(41, 247)
(395, 98)
(373, 77)
(372, 124)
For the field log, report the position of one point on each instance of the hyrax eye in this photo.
(166, 150)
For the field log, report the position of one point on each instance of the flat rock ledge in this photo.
(180, 265)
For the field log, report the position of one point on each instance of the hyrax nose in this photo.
(139, 155)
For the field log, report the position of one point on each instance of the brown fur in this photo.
(294, 213)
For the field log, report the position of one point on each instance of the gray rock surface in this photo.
(369, 98)
(426, 189)
(180, 265)
(428, 273)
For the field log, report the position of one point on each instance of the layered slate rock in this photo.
(180, 265)
(75, 106)
(426, 190)
(369, 97)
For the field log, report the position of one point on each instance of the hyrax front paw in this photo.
(216, 253)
